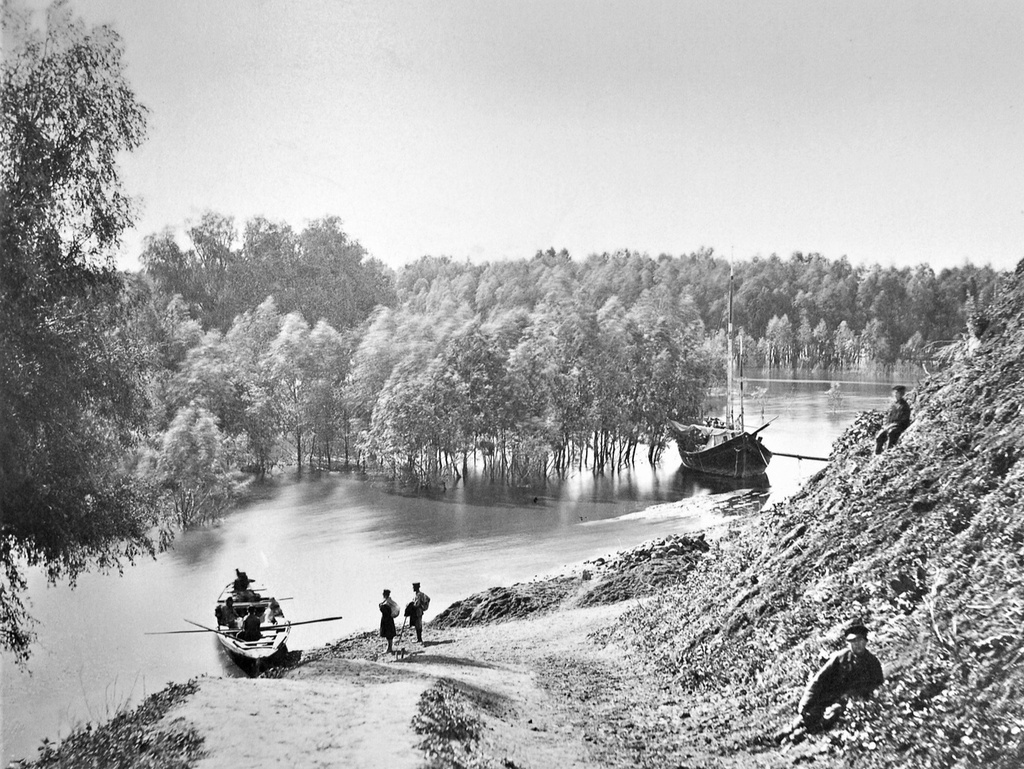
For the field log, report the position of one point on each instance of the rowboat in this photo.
(721, 451)
(249, 653)
(274, 629)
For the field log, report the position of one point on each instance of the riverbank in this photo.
(523, 676)
(325, 530)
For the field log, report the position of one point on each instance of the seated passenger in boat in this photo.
(240, 588)
(241, 582)
(272, 612)
(251, 625)
(226, 614)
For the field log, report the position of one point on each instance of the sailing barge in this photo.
(725, 450)
(721, 451)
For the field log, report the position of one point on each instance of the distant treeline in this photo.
(319, 272)
(279, 346)
(806, 311)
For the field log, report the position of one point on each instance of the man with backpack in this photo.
(419, 604)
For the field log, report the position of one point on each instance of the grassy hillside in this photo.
(924, 544)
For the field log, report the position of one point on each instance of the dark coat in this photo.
(251, 628)
(844, 673)
(387, 622)
(226, 615)
(899, 414)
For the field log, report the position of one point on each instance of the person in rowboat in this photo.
(226, 614)
(272, 613)
(240, 587)
(251, 625)
(241, 582)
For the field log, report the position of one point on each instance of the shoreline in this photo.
(132, 670)
(480, 645)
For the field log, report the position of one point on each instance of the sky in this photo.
(886, 132)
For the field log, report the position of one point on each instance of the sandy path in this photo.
(359, 719)
(355, 713)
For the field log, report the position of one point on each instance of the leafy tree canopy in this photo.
(70, 381)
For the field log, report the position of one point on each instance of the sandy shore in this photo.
(530, 671)
(359, 712)
(525, 676)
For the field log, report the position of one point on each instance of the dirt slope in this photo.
(925, 544)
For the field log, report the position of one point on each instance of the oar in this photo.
(308, 622)
(231, 634)
(204, 630)
(176, 632)
(211, 630)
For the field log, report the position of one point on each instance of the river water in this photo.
(330, 543)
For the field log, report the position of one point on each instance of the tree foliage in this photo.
(532, 366)
(320, 273)
(191, 465)
(71, 396)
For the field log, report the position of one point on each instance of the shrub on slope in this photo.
(924, 543)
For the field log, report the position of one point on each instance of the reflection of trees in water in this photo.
(835, 397)
(759, 395)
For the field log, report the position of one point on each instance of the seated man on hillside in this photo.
(850, 673)
(896, 421)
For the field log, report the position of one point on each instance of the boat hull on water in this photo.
(721, 452)
(273, 634)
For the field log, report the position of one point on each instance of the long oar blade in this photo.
(176, 632)
(209, 629)
(312, 621)
(205, 629)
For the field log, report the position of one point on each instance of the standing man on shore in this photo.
(896, 421)
(420, 603)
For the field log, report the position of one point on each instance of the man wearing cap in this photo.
(419, 604)
(896, 421)
(851, 672)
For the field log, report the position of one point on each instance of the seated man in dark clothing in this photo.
(853, 672)
(226, 614)
(241, 582)
(896, 421)
(251, 625)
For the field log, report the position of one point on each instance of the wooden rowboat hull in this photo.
(272, 640)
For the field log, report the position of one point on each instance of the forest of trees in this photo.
(131, 404)
(529, 366)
